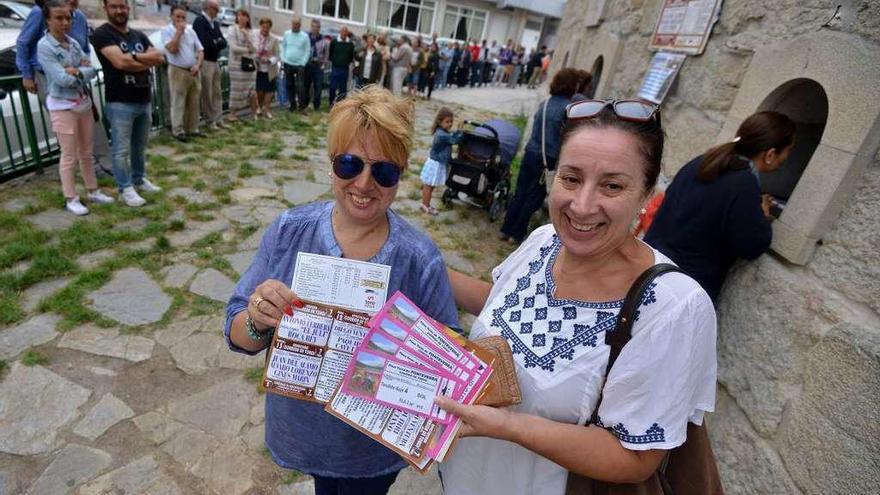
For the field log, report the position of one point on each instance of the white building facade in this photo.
(529, 23)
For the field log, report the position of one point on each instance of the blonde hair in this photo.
(373, 109)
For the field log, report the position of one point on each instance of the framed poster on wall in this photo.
(685, 25)
(664, 67)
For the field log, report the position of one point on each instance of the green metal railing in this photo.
(27, 138)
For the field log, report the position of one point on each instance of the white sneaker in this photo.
(131, 197)
(76, 207)
(148, 186)
(100, 198)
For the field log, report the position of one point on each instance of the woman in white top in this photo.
(553, 300)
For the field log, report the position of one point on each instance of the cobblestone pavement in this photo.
(115, 375)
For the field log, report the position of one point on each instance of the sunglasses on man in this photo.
(347, 166)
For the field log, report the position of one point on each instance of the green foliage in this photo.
(33, 358)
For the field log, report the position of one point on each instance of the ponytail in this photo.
(716, 161)
(761, 131)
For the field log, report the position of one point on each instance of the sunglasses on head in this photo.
(630, 110)
(347, 166)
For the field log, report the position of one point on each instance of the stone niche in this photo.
(827, 82)
(599, 55)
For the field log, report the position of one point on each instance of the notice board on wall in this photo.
(685, 25)
(661, 74)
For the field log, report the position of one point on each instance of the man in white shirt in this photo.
(184, 54)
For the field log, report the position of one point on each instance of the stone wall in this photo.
(798, 346)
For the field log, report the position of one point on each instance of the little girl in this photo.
(436, 166)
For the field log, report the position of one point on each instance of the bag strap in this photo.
(626, 317)
(544, 133)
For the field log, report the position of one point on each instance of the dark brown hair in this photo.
(245, 12)
(649, 135)
(761, 131)
(442, 114)
(585, 79)
(565, 82)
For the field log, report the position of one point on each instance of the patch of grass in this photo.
(3, 367)
(163, 244)
(47, 263)
(209, 240)
(87, 237)
(291, 476)
(176, 225)
(310, 176)
(203, 306)
(246, 170)
(19, 240)
(299, 158)
(33, 358)
(201, 217)
(414, 194)
(200, 185)
(69, 302)
(10, 311)
(253, 375)
(273, 151)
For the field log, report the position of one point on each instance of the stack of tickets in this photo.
(404, 361)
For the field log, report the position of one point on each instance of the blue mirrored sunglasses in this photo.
(347, 166)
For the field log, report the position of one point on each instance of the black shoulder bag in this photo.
(689, 469)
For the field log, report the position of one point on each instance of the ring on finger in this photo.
(257, 301)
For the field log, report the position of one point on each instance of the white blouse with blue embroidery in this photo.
(663, 378)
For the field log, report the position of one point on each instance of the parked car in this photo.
(226, 16)
(13, 14)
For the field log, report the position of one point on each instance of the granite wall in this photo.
(798, 408)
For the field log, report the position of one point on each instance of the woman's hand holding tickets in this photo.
(479, 421)
(270, 301)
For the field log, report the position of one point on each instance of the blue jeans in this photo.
(338, 83)
(314, 81)
(528, 197)
(378, 485)
(129, 128)
(444, 69)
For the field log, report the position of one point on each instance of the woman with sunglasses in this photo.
(555, 298)
(713, 212)
(369, 141)
(540, 154)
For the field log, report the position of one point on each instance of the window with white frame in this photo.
(263, 4)
(347, 10)
(285, 5)
(416, 16)
(463, 23)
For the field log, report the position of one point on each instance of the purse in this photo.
(503, 389)
(248, 65)
(688, 469)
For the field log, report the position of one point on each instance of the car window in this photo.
(5, 11)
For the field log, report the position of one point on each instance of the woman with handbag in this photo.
(555, 299)
(267, 66)
(242, 66)
(539, 156)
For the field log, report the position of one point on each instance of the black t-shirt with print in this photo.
(123, 86)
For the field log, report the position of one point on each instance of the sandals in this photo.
(430, 210)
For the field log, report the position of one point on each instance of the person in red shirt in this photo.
(476, 63)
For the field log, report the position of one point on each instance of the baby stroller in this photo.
(481, 167)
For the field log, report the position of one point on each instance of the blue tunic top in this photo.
(301, 435)
(705, 226)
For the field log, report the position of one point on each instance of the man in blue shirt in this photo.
(295, 51)
(32, 76)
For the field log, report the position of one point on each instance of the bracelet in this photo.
(255, 334)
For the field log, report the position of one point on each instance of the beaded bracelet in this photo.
(254, 334)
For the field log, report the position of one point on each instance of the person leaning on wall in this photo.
(713, 212)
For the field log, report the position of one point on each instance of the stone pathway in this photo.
(115, 376)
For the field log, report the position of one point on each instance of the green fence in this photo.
(27, 138)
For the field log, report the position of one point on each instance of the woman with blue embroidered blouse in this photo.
(554, 298)
(369, 140)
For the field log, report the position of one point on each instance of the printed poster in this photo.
(685, 25)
